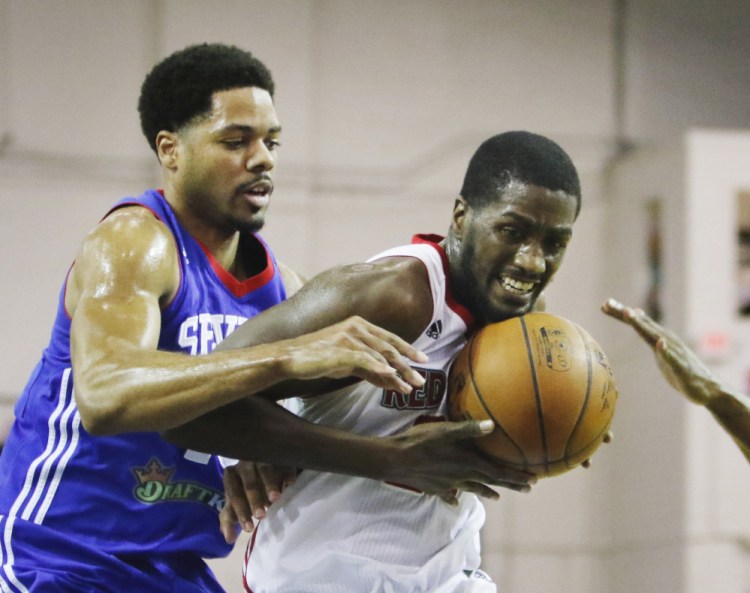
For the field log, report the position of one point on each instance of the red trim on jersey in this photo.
(458, 308)
(237, 288)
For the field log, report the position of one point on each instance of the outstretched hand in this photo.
(686, 372)
(680, 366)
(440, 458)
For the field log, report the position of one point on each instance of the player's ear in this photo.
(167, 148)
(460, 210)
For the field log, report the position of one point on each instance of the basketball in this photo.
(545, 383)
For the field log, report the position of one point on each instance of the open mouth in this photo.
(260, 188)
(516, 286)
(258, 194)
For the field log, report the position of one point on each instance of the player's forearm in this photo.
(137, 390)
(256, 429)
(732, 411)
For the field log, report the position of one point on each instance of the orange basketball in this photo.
(545, 383)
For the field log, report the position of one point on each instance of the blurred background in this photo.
(382, 104)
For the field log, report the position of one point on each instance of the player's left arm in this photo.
(684, 371)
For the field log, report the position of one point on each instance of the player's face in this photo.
(227, 160)
(509, 250)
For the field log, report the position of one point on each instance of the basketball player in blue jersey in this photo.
(329, 533)
(92, 498)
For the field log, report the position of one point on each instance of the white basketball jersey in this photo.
(331, 533)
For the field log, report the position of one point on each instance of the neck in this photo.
(451, 246)
(461, 292)
(221, 242)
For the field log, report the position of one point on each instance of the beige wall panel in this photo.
(75, 69)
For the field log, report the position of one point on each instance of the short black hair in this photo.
(179, 88)
(520, 156)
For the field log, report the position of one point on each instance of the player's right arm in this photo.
(126, 271)
(683, 370)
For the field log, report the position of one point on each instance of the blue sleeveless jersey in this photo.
(132, 495)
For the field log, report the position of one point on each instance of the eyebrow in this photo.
(561, 230)
(247, 129)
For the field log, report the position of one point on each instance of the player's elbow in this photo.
(100, 414)
(97, 422)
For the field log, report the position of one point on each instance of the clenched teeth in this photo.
(517, 286)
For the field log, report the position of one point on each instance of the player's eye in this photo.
(556, 244)
(234, 143)
(511, 233)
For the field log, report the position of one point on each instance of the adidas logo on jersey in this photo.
(435, 330)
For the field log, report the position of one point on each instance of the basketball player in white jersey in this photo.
(329, 533)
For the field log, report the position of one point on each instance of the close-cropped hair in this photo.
(179, 88)
(518, 156)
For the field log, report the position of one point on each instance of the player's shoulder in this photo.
(396, 288)
(134, 229)
(426, 252)
(129, 238)
(132, 217)
(392, 273)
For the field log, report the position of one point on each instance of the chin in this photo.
(507, 312)
(253, 225)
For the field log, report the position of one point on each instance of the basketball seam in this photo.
(535, 381)
(584, 406)
(498, 424)
(589, 359)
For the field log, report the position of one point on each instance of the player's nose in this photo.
(260, 158)
(530, 257)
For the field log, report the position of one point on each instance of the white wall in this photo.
(718, 483)
(647, 500)
(686, 65)
(693, 482)
(382, 104)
